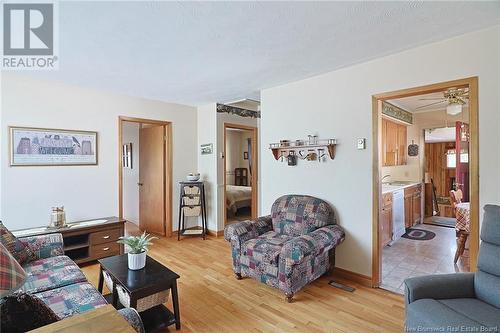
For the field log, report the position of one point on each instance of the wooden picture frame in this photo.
(32, 146)
(245, 155)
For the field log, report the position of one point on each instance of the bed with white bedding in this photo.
(238, 197)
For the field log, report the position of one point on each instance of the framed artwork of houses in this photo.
(46, 147)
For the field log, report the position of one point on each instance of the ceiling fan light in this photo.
(454, 109)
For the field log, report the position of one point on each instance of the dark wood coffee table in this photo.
(142, 283)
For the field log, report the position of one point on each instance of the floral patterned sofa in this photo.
(57, 280)
(289, 248)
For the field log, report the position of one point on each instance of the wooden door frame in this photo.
(167, 153)
(472, 84)
(255, 170)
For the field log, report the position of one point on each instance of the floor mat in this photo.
(442, 221)
(419, 234)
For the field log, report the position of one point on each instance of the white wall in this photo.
(207, 164)
(338, 104)
(86, 191)
(130, 134)
(211, 167)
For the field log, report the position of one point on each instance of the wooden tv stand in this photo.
(86, 241)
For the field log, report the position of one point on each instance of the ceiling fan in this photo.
(455, 97)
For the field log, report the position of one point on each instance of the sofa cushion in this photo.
(20, 251)
(487, 288)
(72, 299)
(51, 273)
(437, 317)
(476, 310)
(23, 312)
(266, 248)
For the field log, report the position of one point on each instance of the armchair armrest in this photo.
(315, 243)
(248, 229)
(239, 233)
(132, 316)
(45, 246)
(441, 286)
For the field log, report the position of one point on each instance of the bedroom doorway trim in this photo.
(255, 169)
(472, 84)
(167, 154)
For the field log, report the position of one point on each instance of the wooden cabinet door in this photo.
(408, 211)
(416, 208)
(391, 143)
(385, 225)
(402, 144)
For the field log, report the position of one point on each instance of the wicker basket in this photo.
(142, 303)
(145, 302)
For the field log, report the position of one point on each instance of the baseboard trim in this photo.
(216, 233)
(209, 232)
(352, 276)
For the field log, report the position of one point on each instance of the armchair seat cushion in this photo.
(430, 313)
(50, 273)
(448, 314)
(265, 248)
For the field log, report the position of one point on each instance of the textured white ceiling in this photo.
(201, 52)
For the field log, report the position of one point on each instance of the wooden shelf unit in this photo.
(277, 148)
(88, 242)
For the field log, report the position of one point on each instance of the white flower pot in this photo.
(136, 261)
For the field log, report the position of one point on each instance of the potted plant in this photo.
(138, 247)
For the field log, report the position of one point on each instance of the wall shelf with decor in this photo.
(310, 150)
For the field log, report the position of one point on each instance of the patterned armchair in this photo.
(289, 248)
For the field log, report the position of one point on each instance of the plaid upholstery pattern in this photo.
(240, 232)
(266, 247)
(72, 299)
(288, 249)
(132, 316)
(12, 274)
(51, 273)
(297, 215)
(18, 249)
(45, 246)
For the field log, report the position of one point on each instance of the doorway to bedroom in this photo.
(240, 168)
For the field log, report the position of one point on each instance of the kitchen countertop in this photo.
(397, 185)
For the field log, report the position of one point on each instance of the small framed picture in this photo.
(127, 155)
(206, 149)
(245, 155)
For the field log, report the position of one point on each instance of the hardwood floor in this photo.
(212, 300)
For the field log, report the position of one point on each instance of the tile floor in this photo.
(408, 258)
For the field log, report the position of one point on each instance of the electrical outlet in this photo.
(361, 143)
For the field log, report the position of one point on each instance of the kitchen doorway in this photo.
(145, 174)
(403, 182)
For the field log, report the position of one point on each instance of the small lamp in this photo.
(12, 275)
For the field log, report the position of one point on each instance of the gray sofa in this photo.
(463, 302)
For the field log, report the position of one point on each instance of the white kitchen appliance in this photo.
(398, 215)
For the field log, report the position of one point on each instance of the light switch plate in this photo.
(361, 143)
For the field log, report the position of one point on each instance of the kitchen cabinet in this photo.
(413, 205)
(394, 140)
(386, 220)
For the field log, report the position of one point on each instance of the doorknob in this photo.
(140, 184)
